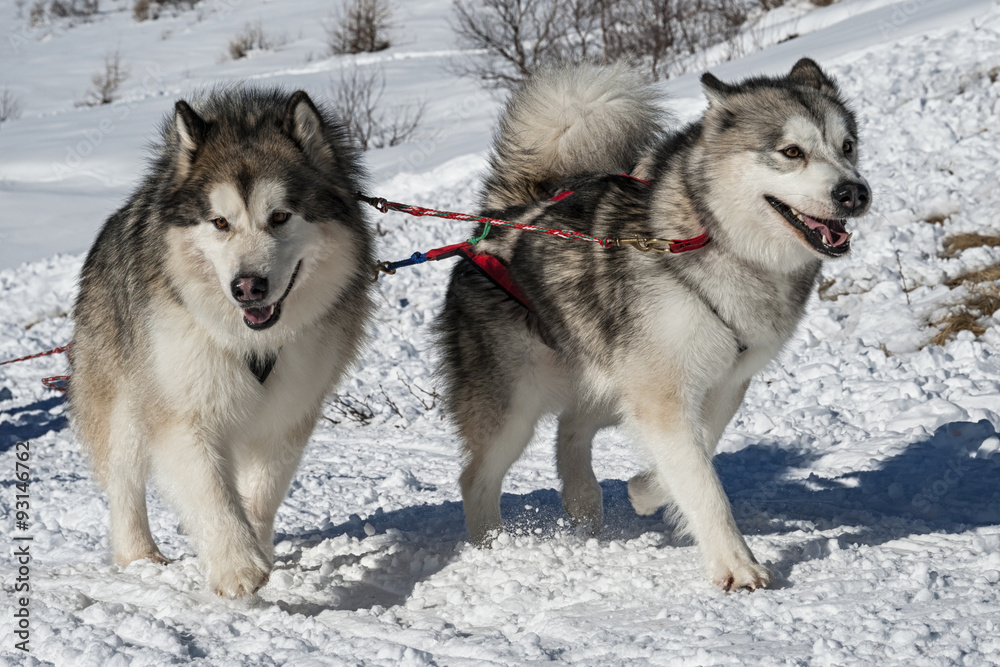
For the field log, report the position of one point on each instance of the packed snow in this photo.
(864, 466)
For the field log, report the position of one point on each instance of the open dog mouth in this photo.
(830, 237)
(263, 317)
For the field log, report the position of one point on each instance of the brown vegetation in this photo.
(982, 301)
(958, 242)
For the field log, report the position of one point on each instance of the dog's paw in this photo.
(588, 520)
(745, 575)
(159, 558)
(644, 494)
(153, 555)
(485, 539)
(240, 576)
(586, 508)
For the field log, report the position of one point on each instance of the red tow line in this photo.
(492, 267)
(49, 382)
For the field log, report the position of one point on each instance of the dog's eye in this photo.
(220, 223)
(793, 152)
(280, 217)
(848, 147)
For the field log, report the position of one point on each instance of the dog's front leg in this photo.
(265, 473)
(196, 474)
(123, 469)
(671, 433)
(721, 404)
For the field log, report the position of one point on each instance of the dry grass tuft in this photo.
(960, 242)
(824, 290)
(987, 275)
(982, 301)
(937, 219)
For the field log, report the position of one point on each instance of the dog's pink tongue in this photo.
(834, 237)
(258, 315)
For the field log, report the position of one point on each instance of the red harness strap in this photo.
(488, 265)
(497, 271)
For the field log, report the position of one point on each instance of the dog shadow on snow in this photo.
(29, 422)
(948, 482)
(936, 484)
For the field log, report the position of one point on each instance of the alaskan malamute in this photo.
(664, 344)
(216, 310)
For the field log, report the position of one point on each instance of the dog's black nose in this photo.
(249, 288)
(852, 196)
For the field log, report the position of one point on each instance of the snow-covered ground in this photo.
(864, 466)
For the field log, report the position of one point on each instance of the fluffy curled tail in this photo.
(569, 122)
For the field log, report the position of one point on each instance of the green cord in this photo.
(476, 239)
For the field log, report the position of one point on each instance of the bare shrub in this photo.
(428, 399)
(42, 11)
(252, 38)
(141, 10)
(10, 106)
(107, 81)
(360, 26)
(144, 10)
(352, 409)
(521, 36)
(358, 102)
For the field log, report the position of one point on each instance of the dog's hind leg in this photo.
(581, 494)
(721, 404)
(493, 442)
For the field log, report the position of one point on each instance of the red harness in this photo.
(488, 265)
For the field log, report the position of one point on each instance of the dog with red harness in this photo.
(663, 343)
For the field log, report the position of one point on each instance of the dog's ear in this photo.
(304, 124)
(191, 132)
(807, 73)
(716, 91)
